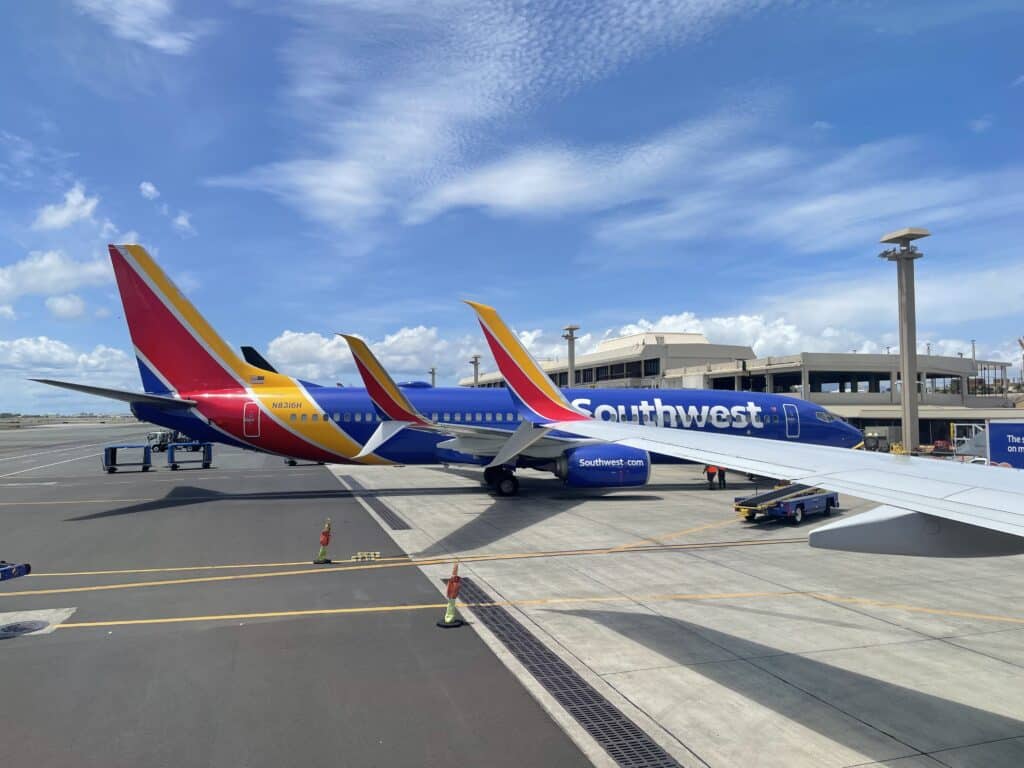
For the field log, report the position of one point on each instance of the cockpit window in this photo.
(827, 417)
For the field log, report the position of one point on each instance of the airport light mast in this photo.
(570, 338)
(475, 362)
(904, 254)
(433, 376)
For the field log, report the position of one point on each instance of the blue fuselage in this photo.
(769, 416)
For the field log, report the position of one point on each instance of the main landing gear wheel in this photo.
(507, 485)
(493, 474)
(798, 516)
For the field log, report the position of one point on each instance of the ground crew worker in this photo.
(721, 477)
(711, 470)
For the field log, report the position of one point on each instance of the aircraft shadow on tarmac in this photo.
(184, 495)
(904, 714)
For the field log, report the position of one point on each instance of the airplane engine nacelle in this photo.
(604, 466)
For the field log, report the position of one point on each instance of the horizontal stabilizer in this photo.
(526, 434)
(384, 432)
(889, 530)
(124, 395)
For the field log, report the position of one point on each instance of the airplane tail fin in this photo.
(177, 350)
(537, 397)
(387, 396)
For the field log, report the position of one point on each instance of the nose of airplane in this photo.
(850, 435)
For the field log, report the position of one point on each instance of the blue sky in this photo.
(361, 166)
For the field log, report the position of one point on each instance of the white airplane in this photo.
(927, 506)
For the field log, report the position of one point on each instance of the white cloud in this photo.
(183, 224)
(148, 190)
(45, 273)
(550, 181)
(408, 353)
(7, 312)
(153, 23)
(980, 124)
(66, 307)
(101, 313)
(1018, 81)
(382, 133)
(821, 125)
(76, 207)
(854, 194)
(43, 357)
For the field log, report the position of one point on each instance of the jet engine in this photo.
(603, 466)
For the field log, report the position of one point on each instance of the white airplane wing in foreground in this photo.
(929, 507)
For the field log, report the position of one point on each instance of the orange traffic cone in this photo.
(450, 621)
(325, 540)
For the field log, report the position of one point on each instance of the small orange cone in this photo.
(454, 583)
(325, 540)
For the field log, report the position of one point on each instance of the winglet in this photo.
(538, 398)
(387, 397)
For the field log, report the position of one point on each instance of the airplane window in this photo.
(316, 417)
(337, 416)
(469, 417)
(479, 417)
(488, 417)
(348, 417)
(458, 417)
(293, 417)
(447, 417)
(433, 416)
(303, 417)
(510, 417)
(369, 417)
(359, 417)
(498, 416)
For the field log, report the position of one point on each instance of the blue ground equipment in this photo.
(111, 464)
(13, 570)
(206, 450)
(787, 502)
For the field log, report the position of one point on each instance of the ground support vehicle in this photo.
(174, 462)
(787, 502)
(111, 464)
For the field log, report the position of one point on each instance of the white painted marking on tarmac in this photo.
(52, 617)
(54, 464)
(18, 485)
(54, 450)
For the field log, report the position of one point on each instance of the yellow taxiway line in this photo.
(396, 563)
(419, 607)
(545, 601)
(916, 608)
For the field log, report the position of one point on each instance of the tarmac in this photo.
(154, 654)
(179, 622)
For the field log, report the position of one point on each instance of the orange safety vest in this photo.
(712, 470)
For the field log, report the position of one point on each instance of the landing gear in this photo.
(291, 462)
(502, 480)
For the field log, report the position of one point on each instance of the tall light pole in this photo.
(904, 254)
(1020, 341)
(570, 338)
(433, 376)
(475, 362)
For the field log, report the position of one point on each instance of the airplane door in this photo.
(792, 420)
(251, 420)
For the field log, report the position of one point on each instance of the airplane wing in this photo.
(930, 507)
(124, 395)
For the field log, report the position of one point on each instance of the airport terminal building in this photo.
(864, 389)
